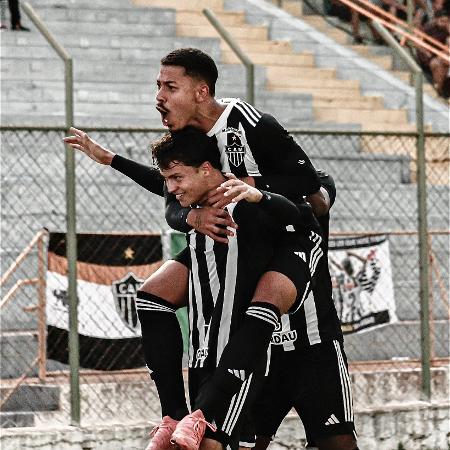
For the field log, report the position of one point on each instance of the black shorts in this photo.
(297, 257)
(183, 257)
(231, 417)
(315, 382)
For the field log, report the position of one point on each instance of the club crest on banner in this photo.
(235, 148)
(124, 293)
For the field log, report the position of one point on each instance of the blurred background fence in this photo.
(375, 174)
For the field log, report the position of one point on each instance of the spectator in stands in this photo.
(14, 11)
(426, 14)
(355, 21)
(439, 29)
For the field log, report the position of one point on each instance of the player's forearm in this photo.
(176, 215)
(284, 212)
(288, 185)
(147, 177)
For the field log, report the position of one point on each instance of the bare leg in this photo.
(169, 282)
(277, 289)
(341, 442)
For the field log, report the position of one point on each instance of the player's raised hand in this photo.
(81, 141)
(238, 190)
(213, 222)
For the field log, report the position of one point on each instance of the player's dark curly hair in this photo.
(196, 63)
(188, 146)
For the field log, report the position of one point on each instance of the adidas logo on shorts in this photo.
(332, 420)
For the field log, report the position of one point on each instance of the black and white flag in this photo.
(110, 270)
(363, 291)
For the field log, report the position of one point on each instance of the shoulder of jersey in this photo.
(248, 112)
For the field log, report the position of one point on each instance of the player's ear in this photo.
(205, 168)
(202, 92)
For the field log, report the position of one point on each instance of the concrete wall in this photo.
(417, 426)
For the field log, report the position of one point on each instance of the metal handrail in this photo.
(249, 66)
(70, 216)
(421, 206)
(389, 21)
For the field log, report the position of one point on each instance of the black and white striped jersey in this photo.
(252, 143)
(316, 320)
(223, 277)
(222, 281)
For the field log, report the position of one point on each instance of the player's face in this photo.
(187, 183)
(176, 98)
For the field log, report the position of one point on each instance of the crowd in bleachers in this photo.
(430, 16)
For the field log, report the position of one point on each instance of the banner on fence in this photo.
(110, 270)
(363, 292)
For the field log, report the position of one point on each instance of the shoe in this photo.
(190, 431)
(19, 27)
(161, 435)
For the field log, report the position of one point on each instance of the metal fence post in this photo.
(71, 244)
(421, 207)
(250, 67)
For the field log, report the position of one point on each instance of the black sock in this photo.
(163, 350)
(241, 356)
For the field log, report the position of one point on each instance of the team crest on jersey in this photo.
(124, 293)
(235, 148)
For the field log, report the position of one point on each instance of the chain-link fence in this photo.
(376, 196)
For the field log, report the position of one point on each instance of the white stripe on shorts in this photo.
(345, 384)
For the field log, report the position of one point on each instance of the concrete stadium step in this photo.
(293, 82)
(365, 103)
(375, 116)
(320, 91)
(276, 46)
(32, 397)
(103, 71)
(16, 419)
(275, 72)
(133, 44)
(17, 352)
(113, 14)
(247, 32)
(227, 18)
(196, 5)
(119, 29)
(300, 60)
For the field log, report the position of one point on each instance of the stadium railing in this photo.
(375, 175)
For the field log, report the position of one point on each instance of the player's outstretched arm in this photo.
(147, 177)
(81, 141)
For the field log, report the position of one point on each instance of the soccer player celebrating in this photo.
(259, 151)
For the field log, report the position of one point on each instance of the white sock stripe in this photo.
(153, 308)
(250, 120)
(149, 302)
(272, 322)
(266, 311)
(268, 319)
(345, 384)
(236, 407)
(252, 111)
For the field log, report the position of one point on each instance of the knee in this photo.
(277, 289)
